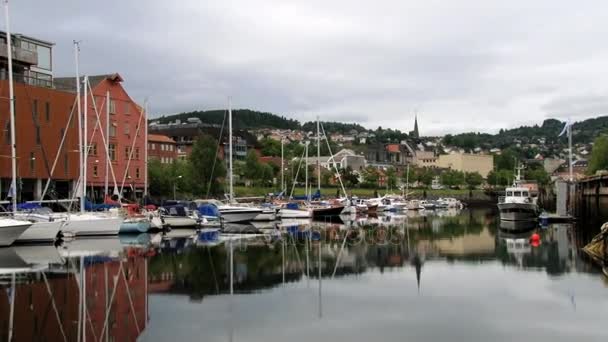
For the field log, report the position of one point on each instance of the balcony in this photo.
(21, 78)
(20, 55)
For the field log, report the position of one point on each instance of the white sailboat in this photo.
(230, 212)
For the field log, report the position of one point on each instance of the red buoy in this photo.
(535, 240)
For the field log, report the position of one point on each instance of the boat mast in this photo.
(12, 109)
(282, 166)
(570, 150)
(145, 150)
(85, 144)
(306, 172)
(107, 143)
(80, 156)
(231, 189)
(318, 157)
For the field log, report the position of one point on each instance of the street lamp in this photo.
(174, 187)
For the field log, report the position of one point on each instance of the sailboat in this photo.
(230, 212)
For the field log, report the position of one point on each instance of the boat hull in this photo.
(92, 226)
(240, 215)
(134, 227)
(294, 213)
(266, 215)
(518, 211)
(10, 233)
(40, 232)
(177, 222)
(329, 211)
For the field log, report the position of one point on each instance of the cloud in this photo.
(470, 65)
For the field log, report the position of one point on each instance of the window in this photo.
(113, 130)
(137, 172)
(517, 193)
(154, 146)
(65, 163)
(95, 173)
(525, 194)
(93, 149)
(34, 111)
(127, 152)
(47, 111)
(37, 135)
(7, 132)
(112, 106)
(127, 108)
(44, 57)
(112, 151)
(32, 163)
(127, 128)
(136, 153)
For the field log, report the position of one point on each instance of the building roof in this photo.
(393, 148)
(160, 138)
(69, 83)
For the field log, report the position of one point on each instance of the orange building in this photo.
(126, 139)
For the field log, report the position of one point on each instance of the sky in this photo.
(463, 65)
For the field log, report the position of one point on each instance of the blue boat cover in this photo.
(292, 205)
(208, 209)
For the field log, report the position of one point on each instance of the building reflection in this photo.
(47, 302)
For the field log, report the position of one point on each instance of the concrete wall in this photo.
(482, 163)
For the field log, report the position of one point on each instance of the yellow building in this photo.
(466, 162)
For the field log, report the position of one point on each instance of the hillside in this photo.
(583, 132)
(241, 119)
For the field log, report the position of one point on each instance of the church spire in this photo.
(416, 134)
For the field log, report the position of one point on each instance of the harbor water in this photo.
(420, 276)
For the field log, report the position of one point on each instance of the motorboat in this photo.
(233, 213)
(427, 205)
(267, 214)
(414, 205)
(11, 229)
(177, 217)
(518, 204)
(327, 211)
(448, 202)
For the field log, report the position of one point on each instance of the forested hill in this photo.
(583, 132)
(334, 127)
(241, 118)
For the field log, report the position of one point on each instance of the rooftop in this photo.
(160, 138)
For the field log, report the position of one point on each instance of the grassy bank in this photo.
(242, 191)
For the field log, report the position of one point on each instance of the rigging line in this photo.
(48, 289)
(65, 133)
(103, 137)
(217, 152)
(295, 180)
(124, 277)
(105, 322)
(124, 177)
(331, 158)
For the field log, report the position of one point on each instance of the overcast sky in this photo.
(473, 65)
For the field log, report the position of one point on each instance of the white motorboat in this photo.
(518, 204)
(414, 205)
(11, 229)
(448, 202)
(233, 213)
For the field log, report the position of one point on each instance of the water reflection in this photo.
(295, 273)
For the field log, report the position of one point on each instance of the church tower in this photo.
(415, 134)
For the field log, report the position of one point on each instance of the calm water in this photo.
(421, 277)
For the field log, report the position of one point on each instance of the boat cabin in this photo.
(518, 195)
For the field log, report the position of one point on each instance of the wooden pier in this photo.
(590, 198)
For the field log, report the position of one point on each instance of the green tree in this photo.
(537, 173)
(506, 160)
(158, 176)
(349, 177)
(391, 178)
(599, 155)
(370, 177)
(206, 179)
(253, 169)
(270, 147)
(473, 179)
